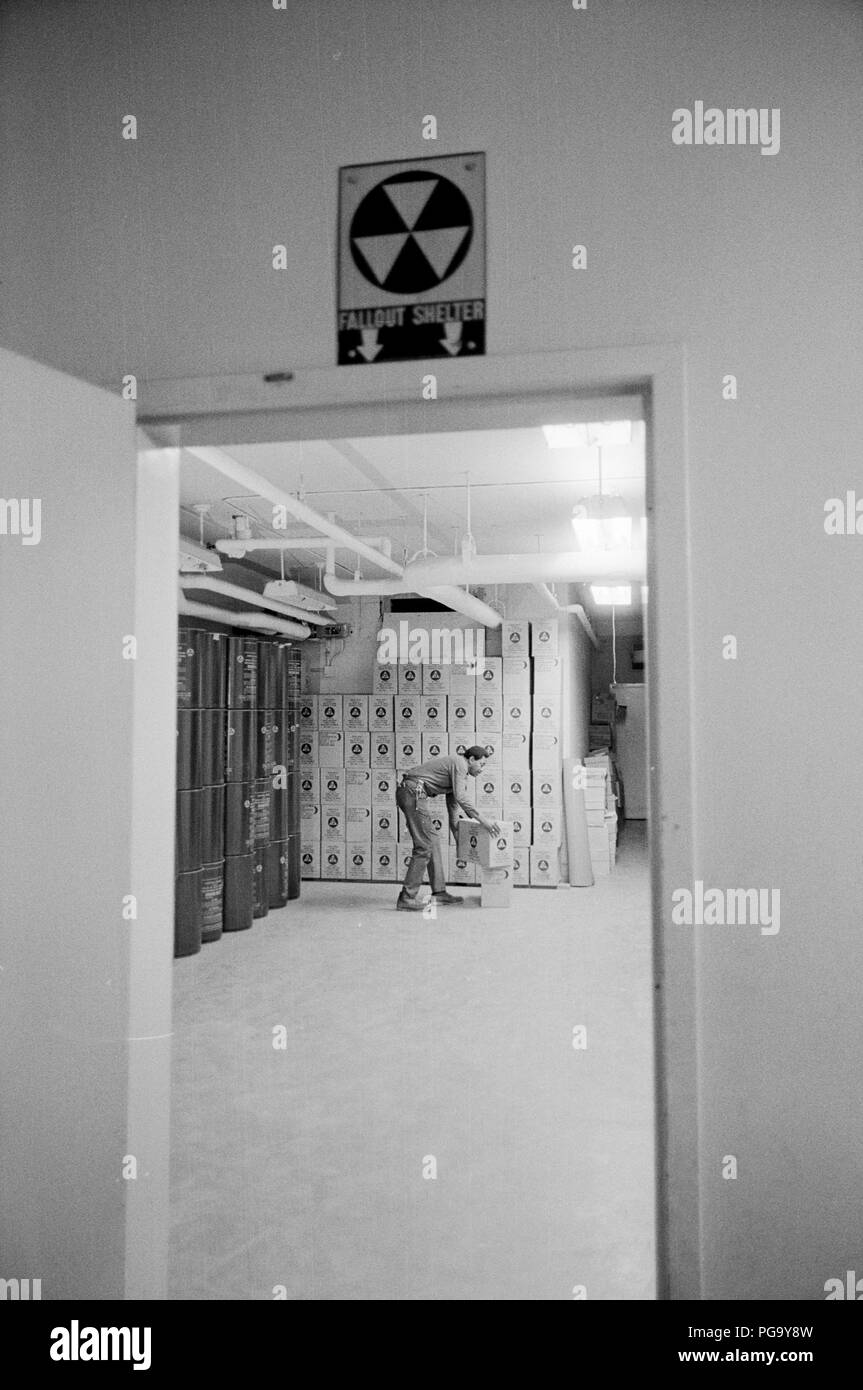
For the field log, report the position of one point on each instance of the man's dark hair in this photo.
(476, 751)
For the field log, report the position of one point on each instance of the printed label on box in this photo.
(547, 789)
(331, 749)
(357, 750)
(516, 789)
(515, 751)
(355, 709)
(407, 712)
(333, 786)
(310, 820)
(384, 679)
(332, 823)
(492, 743)
(489, 792)
(332, 861)
(358, 858)
(358, 787)
(384, 824)
(310, 786)
(383, 750)
(308, 750)
(545, 752)
(384, 861)
(489, 675)
(358, 823)
(543, 637)
(310, 861)
(516, 674)
(329, 711)
(514, 638)
(459, 742)
(435, 680)
(434, 746)
(520, 869)
(544, 868)
(408, 750)
(381, 718)
(462, 680)
(546, 828)
(433, 714)
(546, 675)
(460, 713)
(309, 713)
(384, 788)
(546, 713)
(520, 819)
(410, 679)
(489, 713)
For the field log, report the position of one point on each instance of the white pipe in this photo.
(575, 608)
(453, 598)
(580, 567)
(237, 548)
(262, 623)
(274, 605)
(260, 486)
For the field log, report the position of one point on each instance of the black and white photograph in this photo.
(431, 549)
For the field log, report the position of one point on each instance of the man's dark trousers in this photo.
(427, 846)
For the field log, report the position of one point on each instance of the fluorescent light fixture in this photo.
(198, 559)
(611, 595)
(300, 595)
(602, 523)
(601, 432)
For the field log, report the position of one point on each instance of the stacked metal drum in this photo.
(238, 813)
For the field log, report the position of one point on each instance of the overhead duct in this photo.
(262, 487)
(222, 586)
(263, 623)
(236, 549)
(456, 599)
(575, 608)
(579, 567)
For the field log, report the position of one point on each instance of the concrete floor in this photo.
(410, 1040)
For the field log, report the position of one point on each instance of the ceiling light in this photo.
(300, 595)
(198, 559)
(611, 596)
(584, 436)
(602, 523)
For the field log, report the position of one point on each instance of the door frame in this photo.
(495, 392)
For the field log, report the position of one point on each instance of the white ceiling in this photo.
(522, 492)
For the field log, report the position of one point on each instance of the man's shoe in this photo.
(404, 904)
(446, 899)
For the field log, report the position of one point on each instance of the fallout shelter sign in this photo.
(411, 269)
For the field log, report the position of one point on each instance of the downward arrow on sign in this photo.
(370, 347)
(452, 338)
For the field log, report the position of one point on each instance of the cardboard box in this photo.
(544, 637)
(515, 675)
(460, 713)
(434, 746)
(310, 860)
(308, 750)
(433, 712)
(332, 860)
(384, 679)
(488, 791)
(408, 750)
(358, 824)
(384, 861)
(547, 828)
(436, 680)
(310, 786)
(545, 752)
(458, 742)
(381, 718)
(332, 782)
(515, 751)
(407, 713)
(357, 747)
(355, 712)
(331, 749)
(460, 870)
(384, 788)
(310, 822)
(382, 750)
(489, 676)
(516, 789)
(462, 680)
(329, 712)
(358, 787)
(515, 712)
(515, 638)
(385, 824)
(495, 887)
(493, 745)
(547, 790)
(332, 823)
(521, 821)
(520, 868)
(601, 735)
(309, 713)
(603, 709)
(594, 815)
(547, 675)
(358, 859)
(544, 868)
(410, 678)
(546, 714)
(489, 714)
(492, 852)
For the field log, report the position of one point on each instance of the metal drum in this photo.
(279, 814)
(242, 674)
(238, 892)
(241, 745)
(267, 674)
(187, 914)
(212, 670)
(261, 812)
(187, 840)
(277, 873)
(212, 900)
(260, 900)
(266, 753)
(293, 798)
(187, 667)
(212, 816)
(188, 749)
(283, 742)
(238, 818)
(294, 865)
(212, 723)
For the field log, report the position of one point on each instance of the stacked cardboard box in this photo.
(601, 812)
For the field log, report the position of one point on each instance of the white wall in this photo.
(155, 258)
(65, 848)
